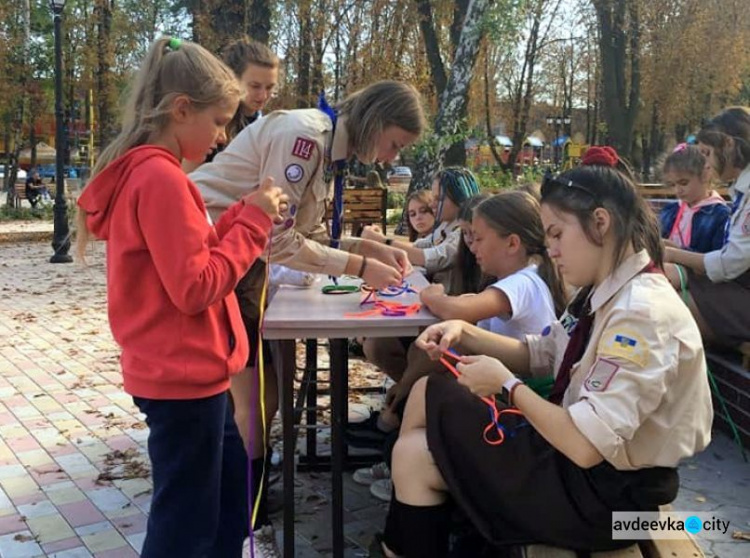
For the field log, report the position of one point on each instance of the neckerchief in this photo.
(579, 339)
(338, 170)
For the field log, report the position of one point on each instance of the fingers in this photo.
(469, 359)
(445, 342)
(266, 183)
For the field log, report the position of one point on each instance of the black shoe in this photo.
(355, 349)
(366, 439)
(370, 423)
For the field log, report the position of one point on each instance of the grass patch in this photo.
(40, 213)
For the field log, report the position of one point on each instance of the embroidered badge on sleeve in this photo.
(624, 344)
(303, 148)
(294, 173)
(601, 375)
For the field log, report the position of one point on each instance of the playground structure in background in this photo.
(571, 153)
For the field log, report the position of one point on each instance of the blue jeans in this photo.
(199, 465)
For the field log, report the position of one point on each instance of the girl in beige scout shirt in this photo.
(297, 148)
(631, 398)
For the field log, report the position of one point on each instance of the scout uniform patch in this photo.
(625, 344)
(601, 375)
(294, 173)
(303, 148)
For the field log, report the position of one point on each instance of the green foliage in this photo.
(494, 179)
(504, 21)
(43, 213)
(431, 143)
(395, 200)
(394, 218)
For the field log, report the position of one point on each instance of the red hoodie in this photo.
(171, 275)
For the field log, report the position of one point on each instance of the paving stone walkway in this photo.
(74, 474)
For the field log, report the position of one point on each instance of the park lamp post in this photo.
(61, 236)
(560, 121)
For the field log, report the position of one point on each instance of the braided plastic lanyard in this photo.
(386, 308)
(495, 414)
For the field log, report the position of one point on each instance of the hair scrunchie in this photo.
(602, 155)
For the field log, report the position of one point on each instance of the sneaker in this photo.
(369, 475)
(382, 489)
(264, 544)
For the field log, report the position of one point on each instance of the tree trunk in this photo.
(259, 26)
(105, 90)
(20, 113)
(487, 112)
(432, 47)
(227, 20)
(304, 54)
(317, 62)
(454, 99)
(618, 20)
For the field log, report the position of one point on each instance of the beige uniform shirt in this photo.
(291, 147)
(640, 392)
(733, 259)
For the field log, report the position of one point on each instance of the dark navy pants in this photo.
(199, 464)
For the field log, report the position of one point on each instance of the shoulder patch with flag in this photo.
(625, 344)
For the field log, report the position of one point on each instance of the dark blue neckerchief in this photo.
(337, 168)
(735, 207)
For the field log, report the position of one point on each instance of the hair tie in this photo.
(174, 43)
(602, 155)
(680, 147)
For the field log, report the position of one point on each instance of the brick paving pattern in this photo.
(74, 474)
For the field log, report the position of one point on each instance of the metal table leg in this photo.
(286, 361)
(339, 413)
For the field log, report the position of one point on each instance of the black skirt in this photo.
(524, 490)
(725, 306)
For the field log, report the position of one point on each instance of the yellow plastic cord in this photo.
(262, 394)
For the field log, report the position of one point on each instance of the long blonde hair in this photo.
(371, 110)
(172, 68)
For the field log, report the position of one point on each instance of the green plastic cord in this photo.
(339, 289)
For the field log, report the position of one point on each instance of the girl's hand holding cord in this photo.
(270, 199)
(483, 375)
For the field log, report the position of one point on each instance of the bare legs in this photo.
(416, 478)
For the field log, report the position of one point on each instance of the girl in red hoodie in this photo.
(170, 292)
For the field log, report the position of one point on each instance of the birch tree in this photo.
(454, 98)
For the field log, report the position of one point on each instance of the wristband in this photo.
(362, 267)
(509, 387)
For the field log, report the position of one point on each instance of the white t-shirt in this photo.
(530, 301)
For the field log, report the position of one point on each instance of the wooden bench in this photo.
(19, 192)
(685, 547)
(363, 206)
